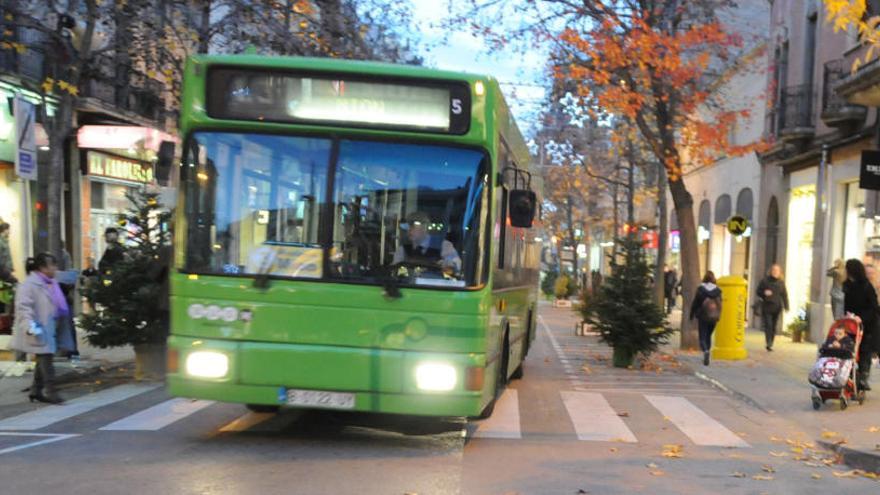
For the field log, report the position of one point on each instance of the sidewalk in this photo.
(93, 360)
(777, 383)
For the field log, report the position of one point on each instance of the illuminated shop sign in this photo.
(115, 167)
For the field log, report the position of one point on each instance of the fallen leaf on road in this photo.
(797, 450)
(623, 414)
(874, 429)
(651, 465)
(761, 477)
(582, 492)
(613, 449)
(768, 468)
(845, 474)
(672, 451)
(813, 464)
(657, 472)
(738, 474)
(586, 369)
(816, 476)
(546, 360)
(778, 454)
(871, 475)
(829, 434)
(775, 439)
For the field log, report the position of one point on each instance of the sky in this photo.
(520, 73)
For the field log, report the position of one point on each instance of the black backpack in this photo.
(710, 309)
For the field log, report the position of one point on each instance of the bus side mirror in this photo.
(165, 162)
(523, 203)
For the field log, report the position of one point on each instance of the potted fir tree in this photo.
(623, 310)
(131, 301)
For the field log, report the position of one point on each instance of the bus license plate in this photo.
(319, 398)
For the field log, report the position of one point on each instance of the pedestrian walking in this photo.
(837, 273)
(706, 308)
(774, 299)
(113, 253)
(39, 304)
(670, 282)
(860, 299)
(67, 324)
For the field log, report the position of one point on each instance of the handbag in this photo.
(756, 307)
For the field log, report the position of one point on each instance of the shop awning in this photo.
(705, 217)
(744, 204)
(120, 137)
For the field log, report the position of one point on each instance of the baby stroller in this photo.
(834, 374)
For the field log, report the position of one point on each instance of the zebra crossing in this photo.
(592, 417)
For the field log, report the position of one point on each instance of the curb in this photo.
(686, 366)
(858, 459)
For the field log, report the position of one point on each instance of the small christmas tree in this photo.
(623, 309)
(130, 302)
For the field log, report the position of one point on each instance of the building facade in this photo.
(812, 170)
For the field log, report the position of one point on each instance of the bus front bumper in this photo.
(379, 380)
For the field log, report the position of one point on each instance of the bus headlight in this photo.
(437, 377)
(207, 364)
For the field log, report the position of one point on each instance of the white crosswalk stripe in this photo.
(594, 418)
(504, 422)
(47, 416)
(159, 416)
(693, 422)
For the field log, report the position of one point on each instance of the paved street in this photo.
(571, 424)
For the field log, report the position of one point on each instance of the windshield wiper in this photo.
(390, 285)
(261, 279)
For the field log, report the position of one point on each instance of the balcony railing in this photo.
(836, 111)
(796, 112)
(124, 88)
(27, 65)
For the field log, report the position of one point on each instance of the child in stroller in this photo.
(833, 375)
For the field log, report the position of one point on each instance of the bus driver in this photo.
(422, 248)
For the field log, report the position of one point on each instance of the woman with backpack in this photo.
(774, 299)
(706, 308)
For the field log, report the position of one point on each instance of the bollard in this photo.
(730, 333)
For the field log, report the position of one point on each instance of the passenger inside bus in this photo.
(423, 248)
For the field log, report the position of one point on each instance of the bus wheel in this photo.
(518, 372)
(262, 408)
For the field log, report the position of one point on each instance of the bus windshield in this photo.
(257, 204)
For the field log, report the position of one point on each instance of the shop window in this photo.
(97, 195)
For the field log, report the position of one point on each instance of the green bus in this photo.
(349, 235)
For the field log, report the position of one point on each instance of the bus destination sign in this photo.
(244, 94)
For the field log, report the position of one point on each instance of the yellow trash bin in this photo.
(730, 333)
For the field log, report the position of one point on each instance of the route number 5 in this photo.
(456, 106)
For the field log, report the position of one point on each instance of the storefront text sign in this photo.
(25, 139)
(869, 177)
(116, 167)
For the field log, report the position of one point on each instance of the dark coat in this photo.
(860, 299)
(777, 300)
(704, 291)
(670, 280)
(112, 255)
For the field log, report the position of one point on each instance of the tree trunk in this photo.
(60, 129)
(630, 196)
(662, 236)
(690, 261)
(205, 28)
(616, 206)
